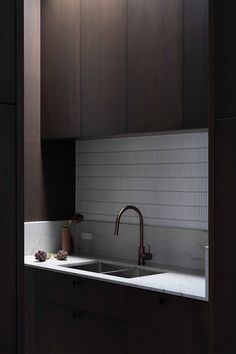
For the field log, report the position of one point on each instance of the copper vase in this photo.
(67, 241)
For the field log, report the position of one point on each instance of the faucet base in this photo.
(142, 255)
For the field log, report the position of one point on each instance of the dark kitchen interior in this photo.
(118, 171)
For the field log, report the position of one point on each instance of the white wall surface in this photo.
(43, 236)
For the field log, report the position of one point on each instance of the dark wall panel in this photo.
(49, 169)
(224, 290)
(35, 201)
(58, 162)
(223, 199)
(49, 181)
(225, 58)
(8, 51)
(8, 229)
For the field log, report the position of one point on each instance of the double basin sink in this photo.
(115, 269)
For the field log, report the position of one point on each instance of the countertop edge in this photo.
(115, 280)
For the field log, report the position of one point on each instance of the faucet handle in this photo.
(148, 255)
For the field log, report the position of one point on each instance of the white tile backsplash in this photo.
(165, 175)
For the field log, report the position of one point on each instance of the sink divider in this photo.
(117, 270)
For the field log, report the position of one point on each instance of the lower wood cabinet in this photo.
(69, 314)
(61, 330)
(88, 295)
(165, 324)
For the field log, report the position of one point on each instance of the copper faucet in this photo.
(142, 255)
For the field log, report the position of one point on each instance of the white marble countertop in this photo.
(172, 282)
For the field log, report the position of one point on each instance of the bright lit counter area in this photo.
(180, 282)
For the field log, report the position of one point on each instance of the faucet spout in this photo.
(142, 254)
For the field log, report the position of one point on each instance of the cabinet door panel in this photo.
(103, 67)
(195, 47)
(79, 292)
(29, 310)
(56, 330)
(154, 65)
(63, 330)
(60, 67)
(101, 335)
(161, 324)
(7, 51)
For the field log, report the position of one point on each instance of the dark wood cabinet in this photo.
(223, 253)
(29, 311)
(103, 67)
(79, 292)
(195, 63)
(70, 314)
(155, 98)
(123, 66)
(83, 47)
(67, 313)
(165, 324)
(57, 329)
(62, 329)
(8, 52)
(60, 68)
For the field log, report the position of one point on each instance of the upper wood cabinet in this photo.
(7, 51)
(123, 66)
(154, 65)
(195, 63)
(103, 67)
(60, 68)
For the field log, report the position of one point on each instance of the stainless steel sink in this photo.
(135, 273)
(115, 269)
(99, 267)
